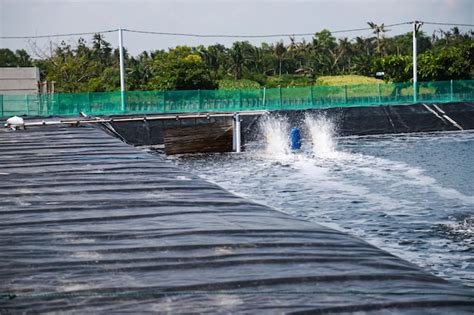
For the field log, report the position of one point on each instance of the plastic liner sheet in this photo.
(90, 224)
(384, 119)
(357, 120)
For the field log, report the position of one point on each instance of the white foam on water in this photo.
(389, 203)
(322, 132)
(462, 227)
(323, 178)
(275, 131)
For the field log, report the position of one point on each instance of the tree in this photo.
(83, 69)
(180, 69)
(19, 58)
(138, 71)
(279, 50)
(323, 52)
(377, 29)
(240, 58)
(449, 63)
(215, 58)
(94, 65)
(397, 68)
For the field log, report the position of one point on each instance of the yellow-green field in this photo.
(346, 80)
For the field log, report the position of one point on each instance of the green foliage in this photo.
(397, 68)
(83, 68)
(180, 69)
(19, 58)
(242, 84)
(452, 62)
(402, 44)
(94, 66)
(447, 63)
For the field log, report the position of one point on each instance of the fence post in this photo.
(415, 92)
(164, 101)
(89, 106)
(312, 96)
(452, 90)
(199, 99)
(379, 93)
(345, 93)
(281, 98)
(240, 98)
(56, 104)
(1, 105)
(27, 105)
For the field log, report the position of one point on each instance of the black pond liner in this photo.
(356, 120)
(90, 224)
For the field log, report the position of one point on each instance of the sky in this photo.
(246, 17)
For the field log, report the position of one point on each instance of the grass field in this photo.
(346, 80)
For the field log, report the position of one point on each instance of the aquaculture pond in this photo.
(409, 194)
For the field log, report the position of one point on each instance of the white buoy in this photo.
(15, 123)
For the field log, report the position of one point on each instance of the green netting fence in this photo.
(106, 103)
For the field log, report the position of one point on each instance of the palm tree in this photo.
(279, 51)
(240, 56)
(377, 29)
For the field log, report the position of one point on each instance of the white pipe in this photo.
(122, 71)
(234, 139)
(415, 76)
(237, 133)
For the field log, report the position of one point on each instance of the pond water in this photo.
(410, 194)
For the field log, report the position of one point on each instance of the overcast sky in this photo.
(40, 17)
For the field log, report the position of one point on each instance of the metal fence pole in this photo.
(1, 105)
(312, 96)
(452, 91)
(122, 71)
(27, 105)
(345, 93)
(379, 93)
(416, 26)
(57, 104)
(89, 105)
(199, 99)
(281, 98)
(237, 131)
(164, 101)
(240, 99)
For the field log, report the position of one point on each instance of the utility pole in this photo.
(122, 71)
(416, 27)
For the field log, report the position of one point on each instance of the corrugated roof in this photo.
(90, 224)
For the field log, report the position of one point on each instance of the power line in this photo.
(239, 36)
(196, 35)
(398, 24)
(56, 35)
(255, 36)
(225, 35)
(449, 24)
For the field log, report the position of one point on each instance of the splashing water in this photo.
(321, 131)
(275, 130)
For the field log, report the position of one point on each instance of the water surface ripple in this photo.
(412, 195)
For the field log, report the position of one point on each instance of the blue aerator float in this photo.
(295, 139)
